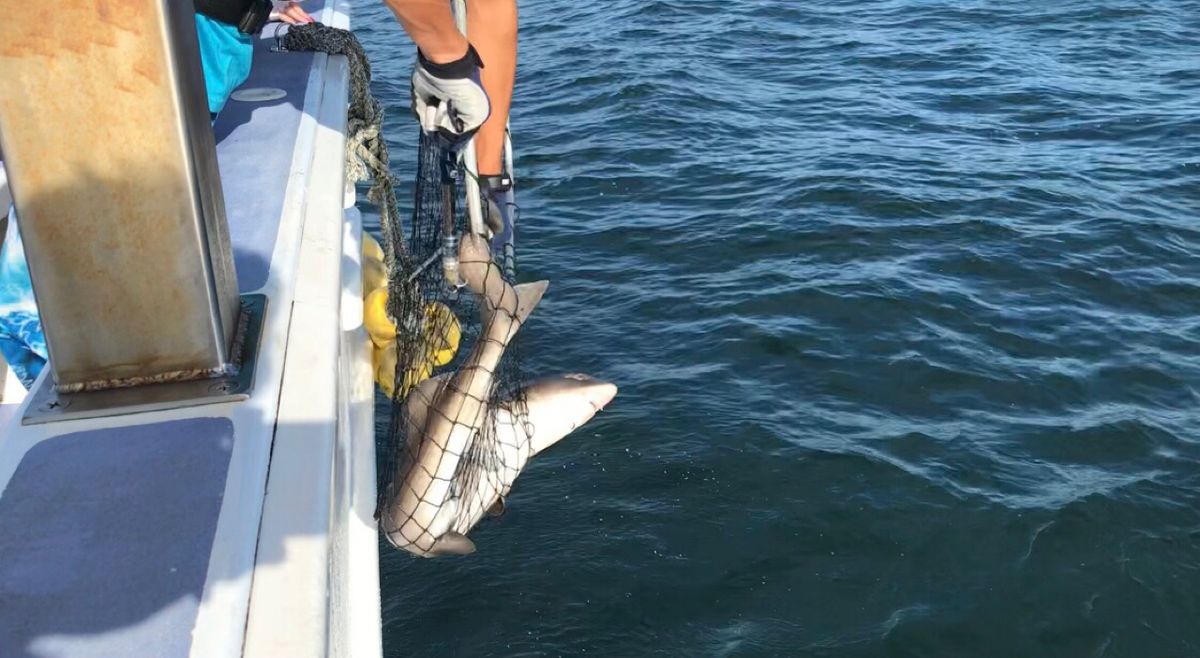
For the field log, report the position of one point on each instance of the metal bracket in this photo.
(48, 405)
(280, 31)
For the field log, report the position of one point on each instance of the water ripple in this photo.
(904, 302)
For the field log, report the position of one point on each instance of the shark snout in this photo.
(602, 393)
(558, 405)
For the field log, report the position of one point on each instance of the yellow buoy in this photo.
(385, 368)
(441, 333)
(375, 318)
(370, 248)
(377, 354)
(385, 371)
(414, 376)
(374, 275)
(440, 336)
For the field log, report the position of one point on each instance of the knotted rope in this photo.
(366, 149)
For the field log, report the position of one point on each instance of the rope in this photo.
(366, 150)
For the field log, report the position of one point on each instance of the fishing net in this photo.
(456, 438)
(458, 431)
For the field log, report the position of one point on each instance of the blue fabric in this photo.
(225, 54)
(21, 339)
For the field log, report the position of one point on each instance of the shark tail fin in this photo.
(452, 543)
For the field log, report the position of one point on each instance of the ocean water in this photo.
(903, 298)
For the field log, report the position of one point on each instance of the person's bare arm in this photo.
(430, 24)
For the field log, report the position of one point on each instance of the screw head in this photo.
(220, 387)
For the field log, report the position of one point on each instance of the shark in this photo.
(448, 481)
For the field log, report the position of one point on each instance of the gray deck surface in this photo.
(106, 534)
(255, 142)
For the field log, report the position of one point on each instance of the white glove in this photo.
(448, 99)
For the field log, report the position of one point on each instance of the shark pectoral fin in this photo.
(528, 296)
(453, 543)
(497, 508)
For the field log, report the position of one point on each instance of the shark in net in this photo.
(463, 454)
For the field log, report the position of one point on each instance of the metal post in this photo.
(470, 162)
(110, 155)
(471, 184)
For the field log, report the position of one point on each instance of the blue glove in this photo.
(448, 99)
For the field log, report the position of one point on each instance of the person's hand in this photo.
(289, 12)
(448, 99)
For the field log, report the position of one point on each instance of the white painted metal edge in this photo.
(221, 623)
(288, 614)
(313, 161)
(221, 626)
(355, 625)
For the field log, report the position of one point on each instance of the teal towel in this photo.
(225, 54)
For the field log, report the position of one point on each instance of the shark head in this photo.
(558, 405)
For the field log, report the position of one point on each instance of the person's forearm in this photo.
(430, 23)
(493, 27)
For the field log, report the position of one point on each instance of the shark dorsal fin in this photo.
(528, 296)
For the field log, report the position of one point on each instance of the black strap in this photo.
(495, 182)
(248, 16)
(227, 11)
(463, 67)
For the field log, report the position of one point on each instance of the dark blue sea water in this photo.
(903, 298)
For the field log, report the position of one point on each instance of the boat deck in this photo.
(235, 528)
(107, 533)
